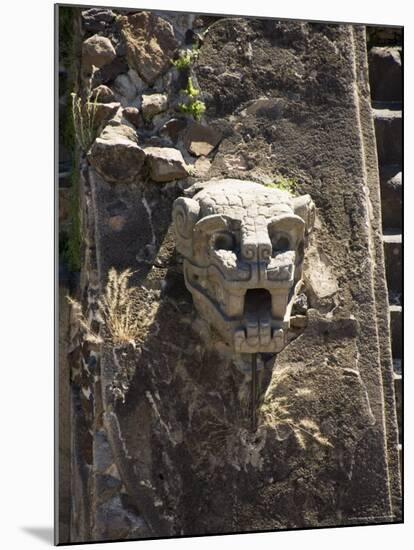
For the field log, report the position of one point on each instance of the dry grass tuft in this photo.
(119, 312)
(276, 413)
(84, 116)
(118, 308)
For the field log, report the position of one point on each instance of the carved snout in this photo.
(256, 245)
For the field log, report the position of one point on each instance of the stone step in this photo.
(396, 331)
(393, 261)
(385, 73)
(397, 366)
(384, 36)
(391, 196)
(388, 131)
(398, 402)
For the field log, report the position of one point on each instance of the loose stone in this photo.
(150, 44)
(165, 164)
(97, 51)
(153, 105)
(116, 156)
(200, 139)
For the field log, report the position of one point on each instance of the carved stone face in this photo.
(243, 247)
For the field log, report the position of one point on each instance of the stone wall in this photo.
(162, 442)
(385, 59)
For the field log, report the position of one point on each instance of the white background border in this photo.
(27, 273)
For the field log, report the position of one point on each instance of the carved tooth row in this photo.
(251, 339)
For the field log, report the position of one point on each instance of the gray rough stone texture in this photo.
(153, 104)
(200, 139)
(393, 261)
(385, 74)
(116, 155)
(388, 130)
(109, 72)
(165, 164)
(125, 87)
(173, 128)
(97, 19)
(396, 330)
(104, 111)
(132, 115)
(97, 51)
(391, 196)
(325, 451)
(150, 44)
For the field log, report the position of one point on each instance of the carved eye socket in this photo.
(224, 241)
(280, 243)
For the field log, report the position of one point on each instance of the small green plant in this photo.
(284, 184)
(186, 59)
(193, 107)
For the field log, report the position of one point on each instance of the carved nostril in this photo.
(249, 251)
(265, 251)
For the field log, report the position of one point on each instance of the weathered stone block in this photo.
(396, 330)
(173, 128)
(200, 139)
(165, 164)
(116, 155)
(125, 87)
(398, 387)
(103, 112)
(150, 44)
(393, 261)
(391, 196)
(132, 115)
(97, 51)
(153, 104)
(385, 73)
(97, 19)
(388, 131)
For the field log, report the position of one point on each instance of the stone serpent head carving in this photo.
(243, 247)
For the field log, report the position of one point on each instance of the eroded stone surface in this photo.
(201, 139)
(97, 51)
(153, 104)
(116, 155)
(97, 19)
(150, 43)
(132, 115)
(165, 164)
(104, 111)
(385, 74)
